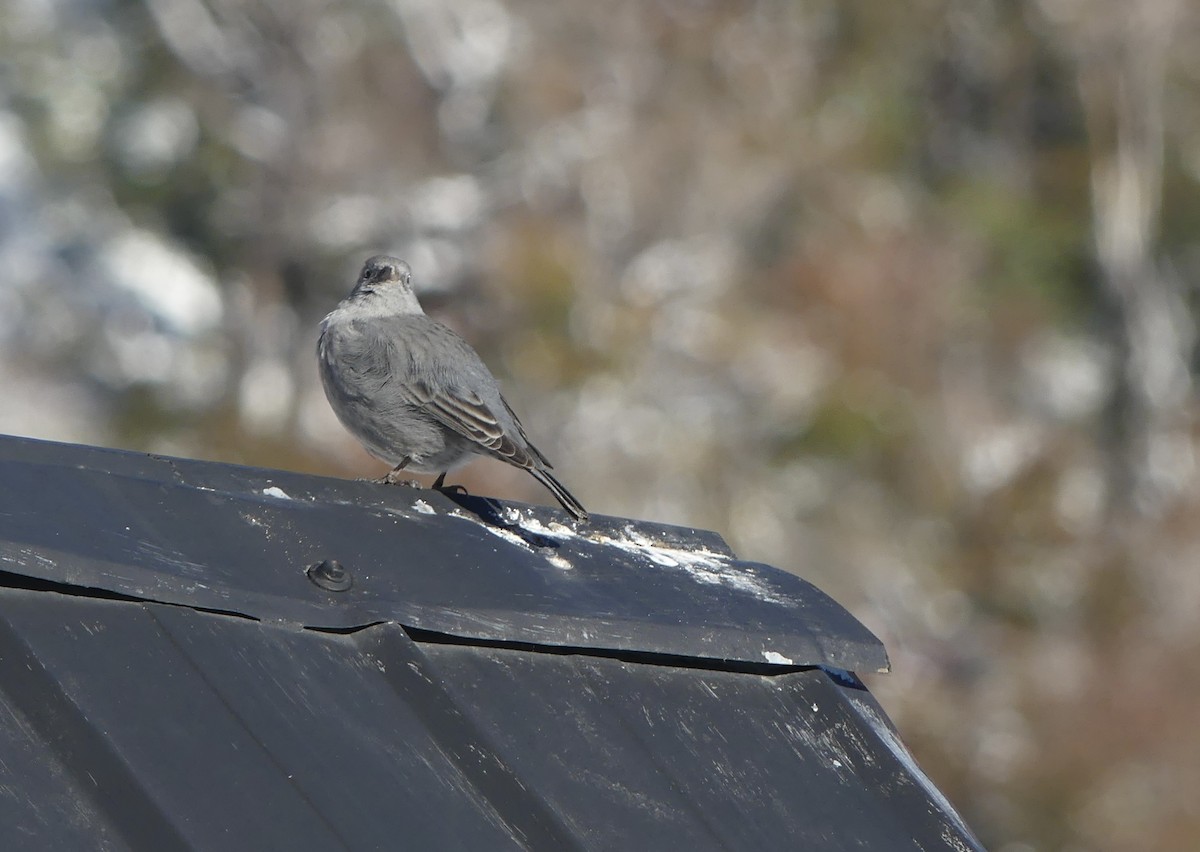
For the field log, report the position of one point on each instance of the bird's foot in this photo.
(394, 478)
(439, 484)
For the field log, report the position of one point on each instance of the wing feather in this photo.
(469, 416)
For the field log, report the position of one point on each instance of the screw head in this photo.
(330, 575)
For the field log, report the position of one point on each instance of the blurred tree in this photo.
(897, 296)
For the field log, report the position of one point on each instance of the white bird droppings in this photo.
(703, 566)
(533, 525)
(507, 535)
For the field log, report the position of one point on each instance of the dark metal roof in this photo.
(493, 678)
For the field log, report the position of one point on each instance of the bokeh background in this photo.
(900, 297)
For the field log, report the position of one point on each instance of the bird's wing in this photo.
(458, 398)
(468, 415)
(545, 461)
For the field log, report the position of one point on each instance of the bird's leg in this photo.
(439, 484)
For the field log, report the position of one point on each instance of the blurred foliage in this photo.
(897, 296)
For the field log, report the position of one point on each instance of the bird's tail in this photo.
(561, 494)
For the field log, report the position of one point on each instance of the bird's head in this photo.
(384, 272)
(386, 279)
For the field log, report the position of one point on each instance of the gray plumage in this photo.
(412, 391)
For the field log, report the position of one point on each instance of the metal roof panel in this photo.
(186, 729)
(239, 539)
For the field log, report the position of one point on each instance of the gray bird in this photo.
(413, 392)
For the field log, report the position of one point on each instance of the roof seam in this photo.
(651, 658)
(24, 582)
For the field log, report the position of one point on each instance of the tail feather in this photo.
(561, 494)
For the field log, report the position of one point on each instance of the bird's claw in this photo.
(392, 479)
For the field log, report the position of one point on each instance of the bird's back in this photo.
(412, 365)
